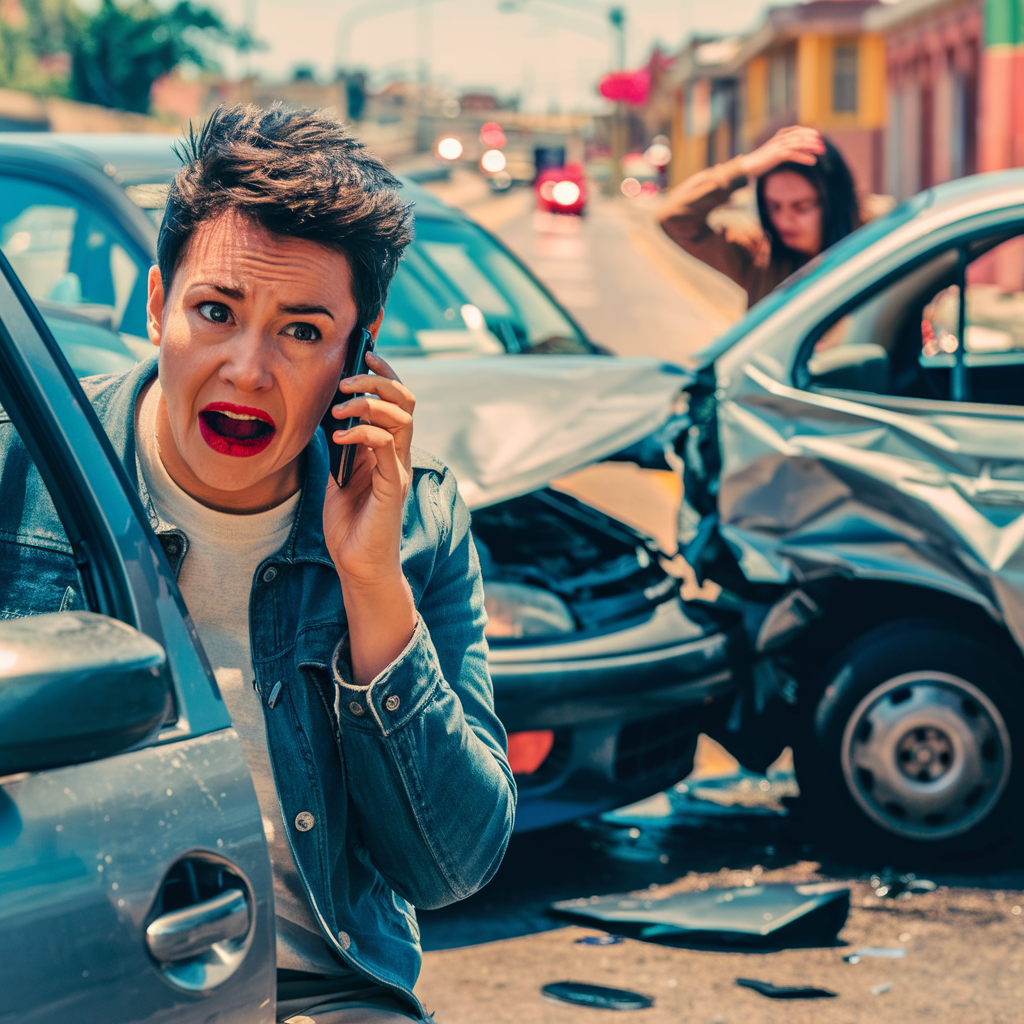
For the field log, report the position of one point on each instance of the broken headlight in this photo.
(515, 610)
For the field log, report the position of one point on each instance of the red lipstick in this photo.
(237, 430)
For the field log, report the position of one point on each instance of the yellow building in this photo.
(815, 64)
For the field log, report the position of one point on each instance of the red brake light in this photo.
(527, 751)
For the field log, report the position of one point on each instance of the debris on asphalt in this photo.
(857, 955)
(785, 991)
(880, 990)
(597, 996)
(719, 795)
(776, 913)
(600, 940)
(889, 885)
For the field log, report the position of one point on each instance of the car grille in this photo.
(656, 745)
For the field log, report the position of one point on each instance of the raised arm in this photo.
(684, 213)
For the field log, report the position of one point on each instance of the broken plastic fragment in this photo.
(599, 940)
(889, 954)
(785, 991)
(879, 990)
(597, 996)
(776, 913)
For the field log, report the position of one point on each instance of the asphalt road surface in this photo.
(629, 287)
(487, 958)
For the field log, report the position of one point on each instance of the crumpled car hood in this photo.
(508, 425)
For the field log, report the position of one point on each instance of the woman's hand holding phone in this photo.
(363, 520)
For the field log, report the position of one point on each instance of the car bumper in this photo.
(624, 706)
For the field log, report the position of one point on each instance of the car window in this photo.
(458, 292)
(86, 276)
(33, 580)
(905, 340)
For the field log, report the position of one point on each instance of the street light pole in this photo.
(619, 141)
(617, 19)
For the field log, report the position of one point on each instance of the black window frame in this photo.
(959, 378)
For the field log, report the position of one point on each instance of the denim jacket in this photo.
(411, 794)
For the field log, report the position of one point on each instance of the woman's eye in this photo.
(303, 332)
(215, 311)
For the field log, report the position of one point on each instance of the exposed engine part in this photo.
(601, 569)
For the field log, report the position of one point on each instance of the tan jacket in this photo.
(741, 254)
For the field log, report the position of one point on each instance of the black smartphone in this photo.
(343, 455)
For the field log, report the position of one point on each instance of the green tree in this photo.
(119, 51)
(35, 43)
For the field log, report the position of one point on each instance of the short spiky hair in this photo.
(298, 174)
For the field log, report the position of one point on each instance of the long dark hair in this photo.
(840, 213)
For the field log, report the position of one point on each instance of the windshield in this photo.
(457, 291)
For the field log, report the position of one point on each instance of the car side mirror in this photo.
(74, 687)
(855, 367)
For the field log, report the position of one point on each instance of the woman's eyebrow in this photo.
(232, 293)
(306, 310)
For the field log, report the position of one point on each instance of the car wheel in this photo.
(912, 742)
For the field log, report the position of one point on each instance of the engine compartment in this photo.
(604, 571)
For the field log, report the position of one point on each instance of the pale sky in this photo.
(551, 52)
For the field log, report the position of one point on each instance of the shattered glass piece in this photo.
(597, 996)
(600, 940)
(892, 886)
(785, 991)
(776, 912)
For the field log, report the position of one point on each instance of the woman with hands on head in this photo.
(344, 625)
(805, 200)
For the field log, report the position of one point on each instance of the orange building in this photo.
(816, 64)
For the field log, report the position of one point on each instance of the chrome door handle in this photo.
(181, 934)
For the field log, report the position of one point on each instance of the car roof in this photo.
(148, 158)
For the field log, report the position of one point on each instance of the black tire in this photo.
(914, 743)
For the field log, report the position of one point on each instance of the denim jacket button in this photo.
(356, 708)
(392, 702)
(343, 940)
(269, 574)
(304, 821)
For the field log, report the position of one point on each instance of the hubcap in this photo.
(926, 755)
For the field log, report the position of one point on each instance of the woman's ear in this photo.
(155, 305)
(375, 326)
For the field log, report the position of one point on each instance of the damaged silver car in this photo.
(851, 522)
(854, 489)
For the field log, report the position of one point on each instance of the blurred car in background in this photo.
(562, 190)
(602, 676)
